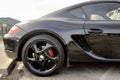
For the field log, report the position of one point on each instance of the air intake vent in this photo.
(81, 41)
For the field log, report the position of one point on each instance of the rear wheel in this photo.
(43, 55)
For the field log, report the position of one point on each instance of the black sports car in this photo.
(86, 32)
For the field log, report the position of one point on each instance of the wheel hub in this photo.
(41, 58)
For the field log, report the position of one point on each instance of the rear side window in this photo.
(103, 11)
(78, 13)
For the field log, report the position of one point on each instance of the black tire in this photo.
(58, 51)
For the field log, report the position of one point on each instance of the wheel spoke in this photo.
(31, 59)
(46, 47)
(54, 59)
(35, 48)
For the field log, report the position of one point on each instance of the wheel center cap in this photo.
(41, 57)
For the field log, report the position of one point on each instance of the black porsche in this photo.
(85, 32)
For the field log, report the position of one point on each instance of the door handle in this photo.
(95, 31)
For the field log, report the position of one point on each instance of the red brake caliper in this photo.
(50, 52)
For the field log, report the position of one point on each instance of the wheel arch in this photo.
(29, 35)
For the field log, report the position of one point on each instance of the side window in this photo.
(78, 13)
(114, 14)
(96, 17)
(103, 11)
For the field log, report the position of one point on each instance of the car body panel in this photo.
(64, 32)
(104, 38)
(63, 28)
(72, 32)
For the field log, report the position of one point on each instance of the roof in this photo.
(58, 12)
(92, 2)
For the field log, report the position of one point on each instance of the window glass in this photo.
(77, 13)
(96, 17)
(114, 14)
(103, 11)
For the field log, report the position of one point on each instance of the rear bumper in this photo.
(11, 46)
(10, 54)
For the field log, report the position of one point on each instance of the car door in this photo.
(103, 29)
